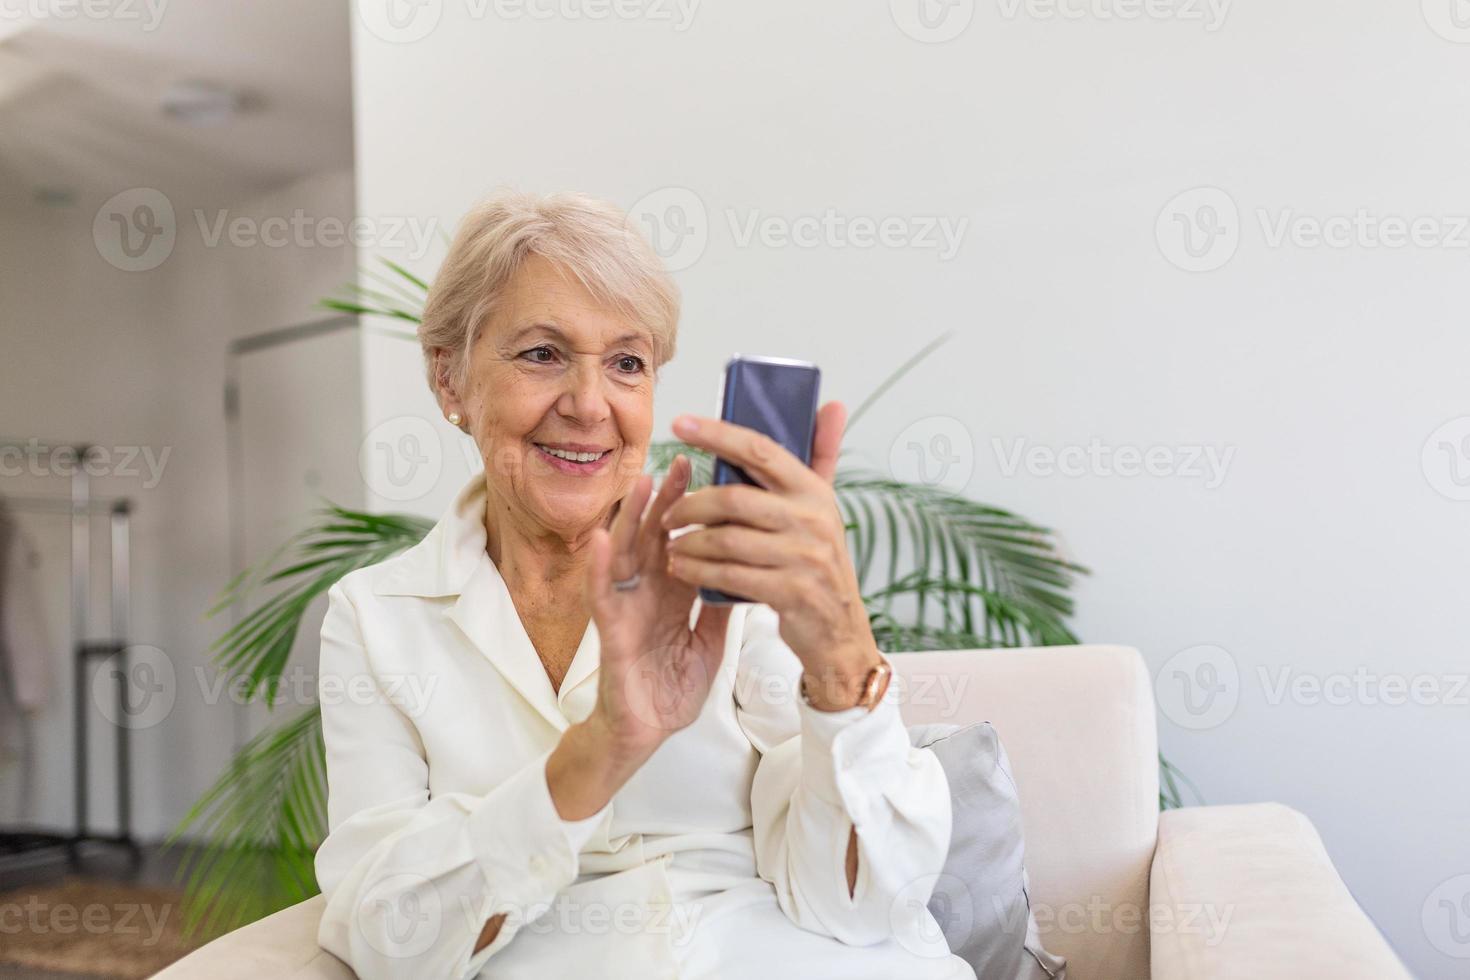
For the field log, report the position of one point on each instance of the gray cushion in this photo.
(981, 899)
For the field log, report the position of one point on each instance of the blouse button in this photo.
(537, 864)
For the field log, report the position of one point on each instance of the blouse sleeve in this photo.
(411, 881)
(823, 773)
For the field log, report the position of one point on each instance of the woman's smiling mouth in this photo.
(572, 458)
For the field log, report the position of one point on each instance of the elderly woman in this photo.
(545, 757)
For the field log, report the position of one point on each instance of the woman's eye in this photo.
(630, 364)
(540, 355)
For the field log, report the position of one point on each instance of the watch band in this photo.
(874, 686)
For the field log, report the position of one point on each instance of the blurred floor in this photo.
(49, 870)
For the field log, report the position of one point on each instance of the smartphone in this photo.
(773, 395)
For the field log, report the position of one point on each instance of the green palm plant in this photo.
(937, 571)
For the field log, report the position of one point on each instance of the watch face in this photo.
(873, 689)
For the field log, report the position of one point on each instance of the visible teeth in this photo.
(574, 457)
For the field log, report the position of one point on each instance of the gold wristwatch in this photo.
(874, 686)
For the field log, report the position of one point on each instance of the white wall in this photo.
(137, 358)
(1325, 549)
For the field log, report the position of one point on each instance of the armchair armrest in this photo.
(1249, 891)
(281, 946)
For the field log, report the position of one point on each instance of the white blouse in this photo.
(723, 856)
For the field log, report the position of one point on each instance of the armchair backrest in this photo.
(1078, 724)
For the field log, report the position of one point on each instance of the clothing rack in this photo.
(83, 507)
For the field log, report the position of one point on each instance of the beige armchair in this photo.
(1121, 890)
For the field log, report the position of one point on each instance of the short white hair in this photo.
(591, 239)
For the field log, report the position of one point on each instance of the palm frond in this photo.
(403, 301)
(256, 648)
(969, 567)
(253, 836)
(661, 456)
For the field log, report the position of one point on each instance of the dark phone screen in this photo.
(773, 396)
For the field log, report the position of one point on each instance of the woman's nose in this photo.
(584, 398)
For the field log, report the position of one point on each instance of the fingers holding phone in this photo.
(772, 531)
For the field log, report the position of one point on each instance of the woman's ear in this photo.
(445, 384)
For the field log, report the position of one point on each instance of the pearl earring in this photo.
(455, 418)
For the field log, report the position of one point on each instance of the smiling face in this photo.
(558, 396)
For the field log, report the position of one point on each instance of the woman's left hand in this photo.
(782, 544)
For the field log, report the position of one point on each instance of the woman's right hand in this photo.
(655, 671)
